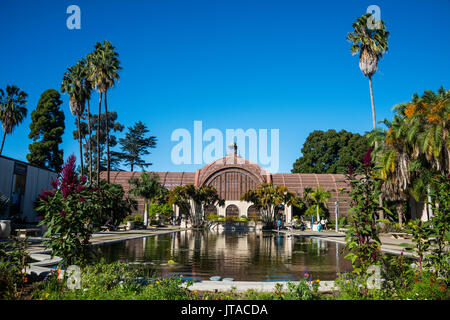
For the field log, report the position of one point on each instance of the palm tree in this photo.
(394, 165)
(150, 189)
(267, 198)
(104, 67)
(12, 109)
(73, 84)
(196, 200)
(371, 43)
(318, 197)
(87, 88)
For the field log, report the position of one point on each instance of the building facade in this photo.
(22, 183)
(232, 176)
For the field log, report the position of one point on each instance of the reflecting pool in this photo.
(243, 256)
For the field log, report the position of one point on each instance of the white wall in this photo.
(37, 180)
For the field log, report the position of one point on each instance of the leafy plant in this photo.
(362, 237)
(13, 263)
(68, 212)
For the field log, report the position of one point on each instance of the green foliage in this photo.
(13, 262)
(266, 198)
(46, 130)
(212, 217)
(163, 209)
(148, 187)
(330, 152)
(362, 237)
(113, 204)
(67, 211)
(113, 281)
(135, 145)
(440, 225)
(194, 201)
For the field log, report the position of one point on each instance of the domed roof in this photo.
(231, 162)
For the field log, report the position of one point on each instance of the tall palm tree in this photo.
(87, 88)
(73, 84)
(371, 43)
(12, 109)
(104, 74)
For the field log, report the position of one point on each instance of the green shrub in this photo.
(212, 217)
(113, 281)
(13, 262)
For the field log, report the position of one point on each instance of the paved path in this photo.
(388, 244)
(243, 286)
(109, 237)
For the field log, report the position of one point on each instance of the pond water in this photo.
(243, 256)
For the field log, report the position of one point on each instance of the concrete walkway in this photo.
(388, 244)
(242, 286)
(108, 237)
(44, 261)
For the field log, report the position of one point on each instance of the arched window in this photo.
(253, 213)
(232, 211)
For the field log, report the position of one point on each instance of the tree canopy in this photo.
(47, 127)
(135, 145)
(331, 152)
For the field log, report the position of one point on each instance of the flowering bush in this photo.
(68, 212)
(362, 236)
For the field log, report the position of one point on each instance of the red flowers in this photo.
(62, 214)
(45, 194)
(69, 179)
(351, 171)
(367, 159)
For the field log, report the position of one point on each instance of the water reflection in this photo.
(244, 256)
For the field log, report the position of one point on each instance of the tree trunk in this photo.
(317, 213)
(399, 208)
(98, 137)
(81, 145)
(3, 142)
(373, 105)
(145, 214)
(89, 144)
(108, 168)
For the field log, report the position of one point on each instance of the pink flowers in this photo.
(45, 194)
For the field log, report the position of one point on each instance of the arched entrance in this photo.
(232, 211)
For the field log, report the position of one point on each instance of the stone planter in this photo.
(5, 228)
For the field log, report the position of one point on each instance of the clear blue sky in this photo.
(232, 64)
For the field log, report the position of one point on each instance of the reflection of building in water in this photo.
(240, 255)
(232, 176)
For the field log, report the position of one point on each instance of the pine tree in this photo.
(47, 127)
(136, 145)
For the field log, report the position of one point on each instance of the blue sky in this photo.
(232, 64)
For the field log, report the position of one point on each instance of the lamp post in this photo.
(336, 211)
